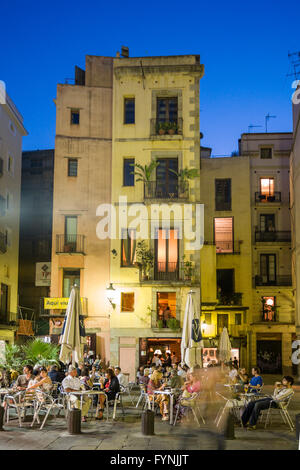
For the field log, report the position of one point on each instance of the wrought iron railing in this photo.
(224, 247)
(162, 190)
(70, 244)
(278, 281)
(164, 271)
(3, 243)
(276, 236)
(273, 197)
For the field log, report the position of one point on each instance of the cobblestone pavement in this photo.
(126, 435)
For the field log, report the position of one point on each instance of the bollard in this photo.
(229, 427)
(74, 421)
(297, 427)
(148, 423)
(1, 417)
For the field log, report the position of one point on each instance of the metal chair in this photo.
(127, 389)
(230, 404)
(194, 406)
(282, 409)
(117, 401)
(20, 402)
(143, 396)
(45, 403)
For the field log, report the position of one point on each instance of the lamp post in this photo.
(111, 295)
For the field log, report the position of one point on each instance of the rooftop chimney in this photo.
(124, 51)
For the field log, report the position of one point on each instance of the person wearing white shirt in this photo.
(121, 377)
(72, 383)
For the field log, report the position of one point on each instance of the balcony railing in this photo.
(161, 190)
(279, 281)
(227, 247)
(170, 324)
(3, 243)
(273, 236)
(230, 299)
(169, 272)
(159, 128)
(8, 318)
(70, 244)
(274, 197)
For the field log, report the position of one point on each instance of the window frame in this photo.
(126, 159)
(128, 99)
(123, 294)
(74, 111)
(72, 160)
(265, 148)
(224, 203)
(132, 265)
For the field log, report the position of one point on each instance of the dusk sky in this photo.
(243, 45)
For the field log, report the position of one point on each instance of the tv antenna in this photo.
(267, 118)
(295, 63)
(251, 127)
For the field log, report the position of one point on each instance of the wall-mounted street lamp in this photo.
(111, 295)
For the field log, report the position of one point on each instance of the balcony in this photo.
(70, 244)
(279, 281)
(265, 198)
(165, 130)
(272, 236)
(169, 272)
(8, 318)
(3, 243)
(227, 247)
(173, 191)
(171, 325)
(230, 299)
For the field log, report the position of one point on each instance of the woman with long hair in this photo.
(110, 386)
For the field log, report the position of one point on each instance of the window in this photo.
(223, 194)
(268, 268)
(128, 172)
(127, 301)
(72, 166)
(70, 278)
(166, 254)
(10, 164)
(267, 222)
(4, 299)
(7, 201)
(225, 282)
(2, 205)
(167, 109)
(238, 319)
(70, 233)
(166, 307)
(223, 228)
(266, 152)
(128, 247)
(166, 178)
(75, 116)
(129, 111)
(208, 318)
(1, 166)
(268, 308)
(267, 187)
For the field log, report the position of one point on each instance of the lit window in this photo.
(267, 186)
(224, 234)
(128, 248)
(268, 308)
(127, 302)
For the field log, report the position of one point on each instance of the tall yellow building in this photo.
(155, 118)
(11, 134)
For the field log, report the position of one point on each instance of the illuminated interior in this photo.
(164, 300)
(267, 186)
(167, 250)
(224, 234)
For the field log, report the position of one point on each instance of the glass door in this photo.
(70, 278)
(166, 179)
(70, 233)
(166, 254)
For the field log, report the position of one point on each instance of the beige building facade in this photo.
(82, 181)
(11, 133)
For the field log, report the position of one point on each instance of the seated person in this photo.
(85, 379)
(41, 382)
(94, 375)
(175, 380)
(71, 383)
(190, 389)
(232, 374)
(256, 382)
(155, 383)
(282, 392)
(121, 377)
(181, 371)
(139, 372)
(55, 375)
(24, 379)
(111, 387)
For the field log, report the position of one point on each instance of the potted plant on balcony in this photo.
(184, 176)
(160, 324)
(171, 128)
(188, 269)
(144, 173)
(161, 128)
(144, 259)
(173, 324)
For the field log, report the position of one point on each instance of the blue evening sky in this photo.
(243, 45)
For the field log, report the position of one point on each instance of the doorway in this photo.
(269, 357)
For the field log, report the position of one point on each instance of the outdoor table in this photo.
(83, 393)
(171, 394)
(3, 392)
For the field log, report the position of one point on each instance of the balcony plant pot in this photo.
(262, 197)
(67, 248)
(171, 131)
(161, 131)
(271, 198)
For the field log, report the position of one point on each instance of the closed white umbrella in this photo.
(224, 346)
(73, 333)
(191, 341)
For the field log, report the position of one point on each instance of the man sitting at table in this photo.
(282, 392)
(256, 382)
(24, 379)
(121, 377)
(72, 384)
